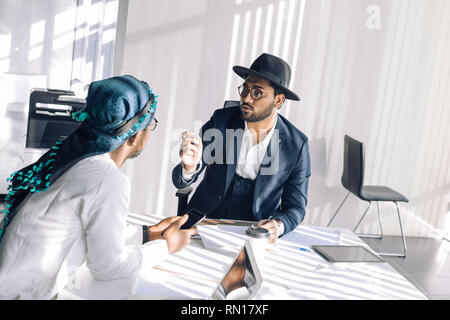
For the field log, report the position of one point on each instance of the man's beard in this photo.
(257, 117)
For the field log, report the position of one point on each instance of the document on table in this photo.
(190, 273)
(310, 235)
(218, 236)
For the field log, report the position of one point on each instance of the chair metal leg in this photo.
(361, 219)
(335, 213)
(403, 239)
(373, 236)
(379, 220)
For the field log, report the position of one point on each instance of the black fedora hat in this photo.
(271, 68)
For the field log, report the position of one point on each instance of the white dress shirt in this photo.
(252, 154)
(81, 217)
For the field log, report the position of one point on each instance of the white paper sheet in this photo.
(310, 235)
(219, 236)
(190, 273)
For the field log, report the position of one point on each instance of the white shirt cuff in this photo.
(153, 253)
(188, 176)
(280, 228)
(133, 234)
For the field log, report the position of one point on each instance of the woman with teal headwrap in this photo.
(74, 198)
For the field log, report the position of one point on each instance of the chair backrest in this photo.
(231, 103)
(353, 173)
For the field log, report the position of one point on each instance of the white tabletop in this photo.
(288, 273)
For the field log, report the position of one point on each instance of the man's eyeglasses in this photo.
(153, 124)
(255, 93)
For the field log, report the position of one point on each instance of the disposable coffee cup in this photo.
(258, 238)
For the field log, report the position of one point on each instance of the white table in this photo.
(288, 273)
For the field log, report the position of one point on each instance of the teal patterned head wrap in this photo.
(112, 102)
(116, 109)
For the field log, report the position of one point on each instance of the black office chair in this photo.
(353, 180)
(183, 194)
(231, 103)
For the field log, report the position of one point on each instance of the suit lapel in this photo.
(232, 145)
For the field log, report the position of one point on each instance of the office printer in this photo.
(50, 116)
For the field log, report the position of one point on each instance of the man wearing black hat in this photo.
(257, 163)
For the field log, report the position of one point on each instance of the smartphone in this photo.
(195, 217)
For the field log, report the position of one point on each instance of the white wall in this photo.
(377, 70)
(70, 42)
(36, 37)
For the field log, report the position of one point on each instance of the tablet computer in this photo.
(242, 279)
(334, 253)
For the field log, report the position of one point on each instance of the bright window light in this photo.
(268, 27)
(94, 13)
(35, 53)
(280, 22)
(287, 38)
(247, 19)
(108, 36)
(37, 33)
(234, 37)
(4, 65)
(63, 40)
(256, 32)
(64, 21)
(5, 45)
(111, 11)
(296, 52)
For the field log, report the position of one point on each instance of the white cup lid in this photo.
(257, 232)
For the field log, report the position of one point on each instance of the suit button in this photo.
(220, 197)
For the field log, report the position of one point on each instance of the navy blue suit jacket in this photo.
(282, 195)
